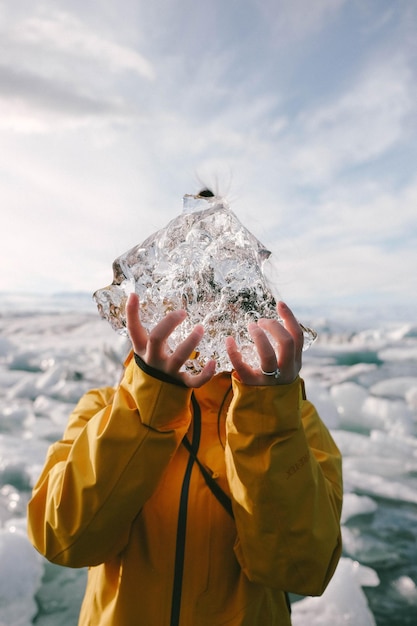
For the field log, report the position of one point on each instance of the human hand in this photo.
(152, 347)
(285, 355)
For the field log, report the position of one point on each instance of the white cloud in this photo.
(61, 32)
(294, 19)
(360, 125)
(57, 73)
(348, 274)
(32, 104)
(98, 148)
(371, 214)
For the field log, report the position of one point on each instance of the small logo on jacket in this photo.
(298, 465)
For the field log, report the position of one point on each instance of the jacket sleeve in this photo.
(95, 481)
(285, 477)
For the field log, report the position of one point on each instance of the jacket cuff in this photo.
(162, 405)
(152, 371)
(266, 410)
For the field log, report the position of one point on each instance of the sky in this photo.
(301, 113)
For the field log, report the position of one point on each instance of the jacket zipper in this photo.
(182, 519)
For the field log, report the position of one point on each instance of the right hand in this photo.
(152, 347)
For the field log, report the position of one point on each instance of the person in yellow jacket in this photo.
(194, 500)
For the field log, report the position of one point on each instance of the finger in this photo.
(266, 352)
(289, 338)
(198, 380)
(163, 330)
(234, 354)
(282, 338)
(137, 333)
(288, 332)
(183, 351)
(285, 348)
(291, 324)
(242, 369)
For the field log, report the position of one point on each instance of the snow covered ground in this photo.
(362, 376)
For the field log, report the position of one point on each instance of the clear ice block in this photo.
(206, 262)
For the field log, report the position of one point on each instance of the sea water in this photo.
(362, 376)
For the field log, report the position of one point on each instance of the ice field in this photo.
(362, 376)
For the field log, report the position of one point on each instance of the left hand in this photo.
(285, 355)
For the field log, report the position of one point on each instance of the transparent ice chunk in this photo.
(206, 262)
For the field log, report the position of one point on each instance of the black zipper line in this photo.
(182, 519)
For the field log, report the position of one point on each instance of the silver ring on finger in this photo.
(276, 373)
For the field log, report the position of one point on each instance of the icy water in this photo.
(362, 376)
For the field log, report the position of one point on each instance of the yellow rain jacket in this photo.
(121, 495)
